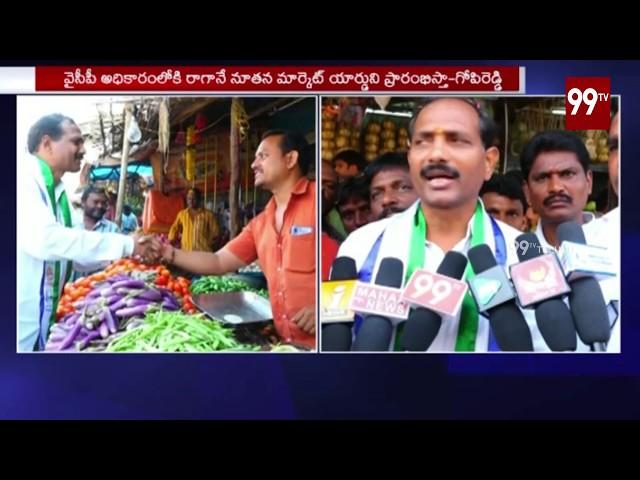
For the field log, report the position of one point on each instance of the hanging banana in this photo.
(190, 154)
(240, 118)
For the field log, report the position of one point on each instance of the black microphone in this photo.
(496, 298)
(587, 303)
(553, 317)
(375, 333)
(336, 336)
(423, 324)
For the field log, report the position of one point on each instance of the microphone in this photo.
(336, 336)
(540, 281)
(376, 330)
(496, 298)
(423, 324)
(587, 303)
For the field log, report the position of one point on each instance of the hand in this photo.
(145, 248)
(306, 319)
(156, 249)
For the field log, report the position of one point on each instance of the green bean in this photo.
(177, 332)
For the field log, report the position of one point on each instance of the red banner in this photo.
(351, 79)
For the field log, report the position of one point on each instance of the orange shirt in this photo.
(287, 258)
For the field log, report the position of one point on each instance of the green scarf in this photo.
(47, 173)
(468, 328)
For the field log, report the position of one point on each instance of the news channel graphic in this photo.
(179, 171)
(364, 136)
(588, 103)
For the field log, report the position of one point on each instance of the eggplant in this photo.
(103, 329)
(84, 343)
(131, 311)
(169, 305)
(134, 302)
(152, 295)
(118, 305)
(72, 319)
(110, 300)
(107, 291)
(111, 322)
(130, 283)
(118, 278)
(71, 336)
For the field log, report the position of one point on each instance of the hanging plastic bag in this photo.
(133, 133)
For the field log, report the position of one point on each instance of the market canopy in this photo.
(113, 172)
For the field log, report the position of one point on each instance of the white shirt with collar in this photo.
(599, 232)
(395, 243)
(587, 217)
(605, 232)
(42, 237)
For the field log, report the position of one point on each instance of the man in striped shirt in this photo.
(197, 225)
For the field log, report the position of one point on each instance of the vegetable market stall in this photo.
(132, 307)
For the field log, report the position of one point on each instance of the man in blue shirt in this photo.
(129, 220)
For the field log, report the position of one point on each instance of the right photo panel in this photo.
(467, 224)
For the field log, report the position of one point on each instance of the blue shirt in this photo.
(103, 226)
(129, 223)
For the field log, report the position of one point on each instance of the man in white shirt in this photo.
(450, 156)
(605, 232)
(558, 181)
(47, 241)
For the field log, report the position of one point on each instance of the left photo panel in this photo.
(166, 224)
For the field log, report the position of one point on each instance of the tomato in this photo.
(161, 281)
(75, 294)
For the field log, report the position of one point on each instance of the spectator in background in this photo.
(329, 236)
(504, 200)
(390, 187)
(555, 165)
(129, 220)
(352, 202)
(197, 227)
(348, 163)
(94, 205)
(331, 222)
(531, 217)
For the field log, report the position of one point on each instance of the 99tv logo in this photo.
(588, 103)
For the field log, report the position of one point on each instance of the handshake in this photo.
(151, 248)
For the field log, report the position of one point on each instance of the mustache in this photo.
(96, 213)
(390, 210)
(433, 169)
(559, 196)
